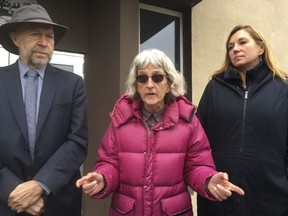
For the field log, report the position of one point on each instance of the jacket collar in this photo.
(126, 108)
(258, 74)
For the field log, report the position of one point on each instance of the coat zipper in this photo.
(244, 120)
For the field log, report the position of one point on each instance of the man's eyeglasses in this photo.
(156, 78)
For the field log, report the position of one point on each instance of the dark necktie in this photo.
(31, 108)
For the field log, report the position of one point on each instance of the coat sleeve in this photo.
(8, 81)
(107, 163)
(10, 180)
(199, 165)
(286, 156)
(203, 107)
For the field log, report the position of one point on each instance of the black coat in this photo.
(248, 131)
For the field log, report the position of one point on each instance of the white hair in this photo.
(158, 59)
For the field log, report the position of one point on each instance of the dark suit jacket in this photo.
(61, 143)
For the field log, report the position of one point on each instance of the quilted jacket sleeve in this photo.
(199, 162)
(107, 163)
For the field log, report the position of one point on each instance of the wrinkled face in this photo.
(153, 91)
(35, 43)
(243, 51)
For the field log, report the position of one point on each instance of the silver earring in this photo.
(260, 58)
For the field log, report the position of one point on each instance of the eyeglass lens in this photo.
(156, 78)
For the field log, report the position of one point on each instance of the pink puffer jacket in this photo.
(149, 174)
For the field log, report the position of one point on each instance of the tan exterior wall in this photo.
(212, 20)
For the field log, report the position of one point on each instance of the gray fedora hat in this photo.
(28, 14)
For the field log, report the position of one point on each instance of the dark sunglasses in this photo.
(156, 78)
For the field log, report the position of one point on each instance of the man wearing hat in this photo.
(43, 126)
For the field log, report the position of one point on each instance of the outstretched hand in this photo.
(91, 183)
(220, 187)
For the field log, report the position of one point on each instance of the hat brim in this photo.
(7, 43)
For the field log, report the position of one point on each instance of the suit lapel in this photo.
(15, 96)
(13, 85)
(47, 95)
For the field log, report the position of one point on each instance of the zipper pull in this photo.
(246, 95)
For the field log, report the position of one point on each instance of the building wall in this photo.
(71, 13)
(212, 21)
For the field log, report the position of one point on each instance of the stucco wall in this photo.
(212, 20)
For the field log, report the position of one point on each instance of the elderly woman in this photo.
(155, 147)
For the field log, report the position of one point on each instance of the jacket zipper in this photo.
(244, 120)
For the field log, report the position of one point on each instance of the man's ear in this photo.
(14, 38)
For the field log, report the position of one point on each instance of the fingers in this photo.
(237, 190)
(225, 176)
(24, 195)
(80, 182)
(91, 183)
(220, 193)
(17, 208)
(36, 209)
(86, 179)
(231, 187)
(92, 188)
(220, 187)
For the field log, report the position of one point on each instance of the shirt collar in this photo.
(146, 115)
(24, 68)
